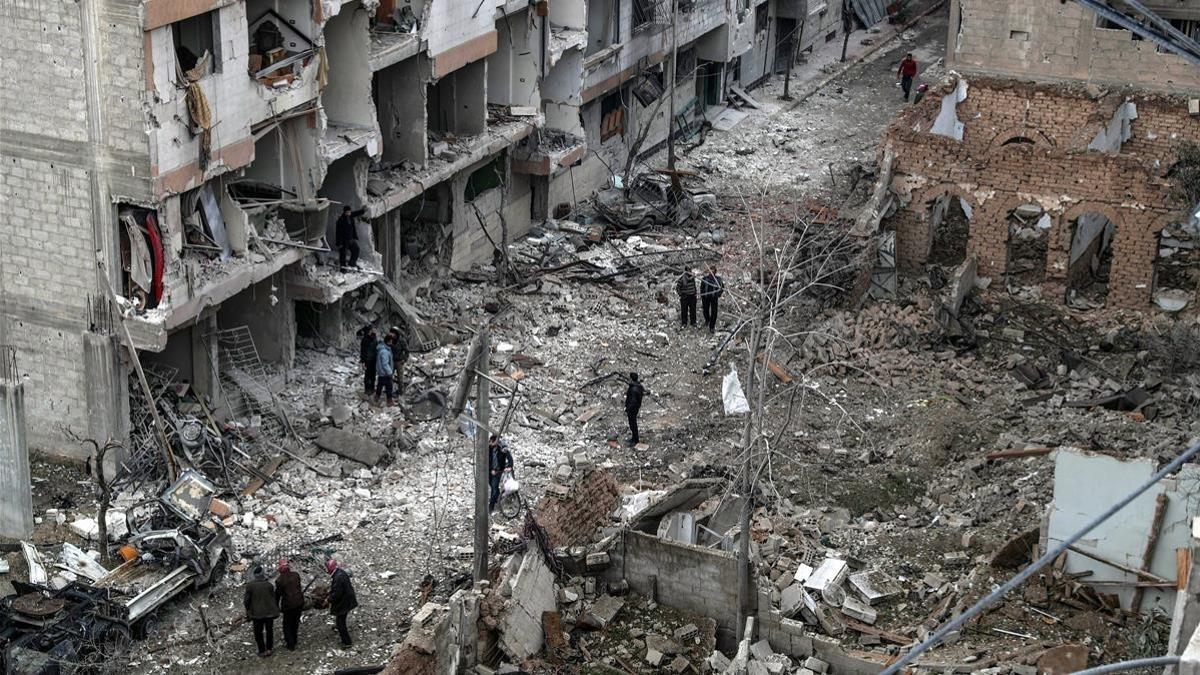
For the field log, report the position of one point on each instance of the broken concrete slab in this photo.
(352, 446)
(520, 628)
(602, 612)
(831, 573)
(874, 586)
(856, 609)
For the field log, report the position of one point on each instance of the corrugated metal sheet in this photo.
(870, 12)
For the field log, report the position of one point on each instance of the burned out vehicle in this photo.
(74, 621)
(647, 202)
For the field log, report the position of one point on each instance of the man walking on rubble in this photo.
(906, 72)
(499, 459)
(633, 405)
(685, 287)
(341, 598)
(385, 367)
(261, 609)
(711, 288)
(346, 238)
(291, 602)
(399, 357)
(368, 349)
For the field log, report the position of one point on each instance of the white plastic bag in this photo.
(732, 394)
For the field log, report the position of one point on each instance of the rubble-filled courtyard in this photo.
(869, 442)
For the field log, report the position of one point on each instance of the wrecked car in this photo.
(647, 202)
(62, 623)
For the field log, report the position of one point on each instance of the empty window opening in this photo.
(196, 40)
(489, 176)
(1090, 260)
(455, 106)
(1189, 27)
(949, 229)
(1020, 140)
(1022, 35)
(278, 51)
(603, 25)
(308, 320)
(612, 116)
(1176, 272)
(685, 66)
(760, 18)
(1028, 244)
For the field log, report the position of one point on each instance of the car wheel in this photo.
(218, 572)
(510, 505)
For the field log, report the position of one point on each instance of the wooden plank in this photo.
(777, 370)
(267, 470)
(1183, 568)
(1019, 452)
(1160, 509)
(861, 627)
(1112, 563)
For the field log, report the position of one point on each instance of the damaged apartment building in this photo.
(1052, 155)
(172, 171)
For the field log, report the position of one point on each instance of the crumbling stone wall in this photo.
(1050, 167)
(572, 518)
(1061, 41)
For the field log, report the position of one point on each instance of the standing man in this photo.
(385, 367)
(261, 609)
(685, 286)
(633, 405)
(341, 598)
(711, 288)
(399, 357)
(367, 351)
(906, 73)
(499, 459)
(346, 238)
(291, 602)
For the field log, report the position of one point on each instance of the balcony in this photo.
(548, 152)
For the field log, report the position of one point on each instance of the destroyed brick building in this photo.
(1048, 157)
(191, 158)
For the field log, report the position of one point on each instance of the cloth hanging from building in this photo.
(322, 69)
(201, 115)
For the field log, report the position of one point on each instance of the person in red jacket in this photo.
(907, 71)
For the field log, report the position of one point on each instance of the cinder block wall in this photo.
(688, 578)
(1060, 41)
(72, 143)
(1055, 171)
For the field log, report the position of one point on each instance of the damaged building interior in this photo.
(940, 411)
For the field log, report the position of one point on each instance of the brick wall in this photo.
(1055, 171)
(1053, 41)
(573, 519)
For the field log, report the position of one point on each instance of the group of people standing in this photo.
(710, 287)
(383, 363)
(265, 602)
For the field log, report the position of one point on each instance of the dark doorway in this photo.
(1028, 244)
(1090, 260)
(785, 40)
(949, 230)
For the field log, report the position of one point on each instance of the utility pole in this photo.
(676, 190)
(747, 489)
(847, 24)
(482, 358)
(787, 76)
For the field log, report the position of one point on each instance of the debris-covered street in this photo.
(895, 411)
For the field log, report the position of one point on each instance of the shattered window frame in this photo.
(490, 176)
(649, 87)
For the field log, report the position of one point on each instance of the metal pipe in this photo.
(1131, 25)
(1041, 562)
(1152, 662)
(1184, 40)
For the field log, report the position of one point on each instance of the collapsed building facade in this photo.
(1049, 158)
(189, 159)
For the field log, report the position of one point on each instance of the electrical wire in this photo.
(1152, 662)
(1041, 562)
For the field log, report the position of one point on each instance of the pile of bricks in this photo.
(570, 516)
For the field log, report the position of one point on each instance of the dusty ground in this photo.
(885, 454)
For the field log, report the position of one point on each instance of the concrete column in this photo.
(16, 508)
(205, 358)
(107, 392)
(1186, 618)
(332, 325)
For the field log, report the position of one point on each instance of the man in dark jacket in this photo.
(341, 598)
(368, 349)
(499, 459)
(346, 237)
(711, 288)
(261, 609)
(685, 287)
(399, 357)
(633, 404)
(290, 597)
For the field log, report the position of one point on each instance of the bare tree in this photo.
(96, 461)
